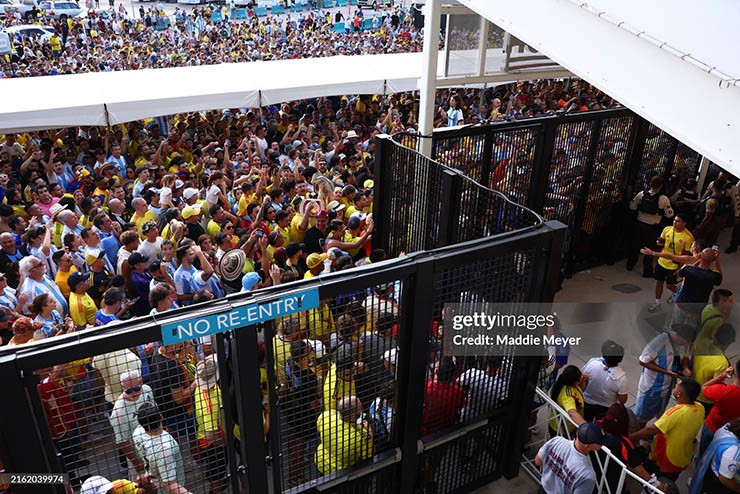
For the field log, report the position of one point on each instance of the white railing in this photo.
(544, 415)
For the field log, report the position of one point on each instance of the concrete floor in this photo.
(597, 286)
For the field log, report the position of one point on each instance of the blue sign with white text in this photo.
(239, 317)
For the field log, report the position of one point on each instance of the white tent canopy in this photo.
(82, 99)
(674, 62)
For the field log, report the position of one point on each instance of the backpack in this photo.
(649, 203)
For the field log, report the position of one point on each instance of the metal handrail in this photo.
(563, 421)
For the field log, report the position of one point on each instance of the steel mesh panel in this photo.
(655, 156)
(686, 163)
(605, 189)
(464, 389)
(452, 466)
(414, 201)
(384, 480)
(512, 160)
(565, 181)
(461, 153)
(335, 378)
(103, 414)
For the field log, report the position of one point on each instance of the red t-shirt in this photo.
(726, 405)
(60, 410)
(441, 403)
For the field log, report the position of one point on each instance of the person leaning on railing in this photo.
(566, 468)
(568, 394)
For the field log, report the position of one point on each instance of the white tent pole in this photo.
(703, 170)
(428, 82)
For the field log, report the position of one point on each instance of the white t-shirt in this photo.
(165, 195)
(212, 194)
(604, 383)
(123, 417)
(482, 393)
(151, 250)
(163, 454)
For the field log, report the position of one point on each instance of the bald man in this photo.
(699, 281)
(344, 443)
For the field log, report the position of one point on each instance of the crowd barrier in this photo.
(251, 419)
(581, 169)
(551, 410)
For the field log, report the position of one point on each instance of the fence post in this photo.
(24, 424)
(381, 192)
(543, 150)
(249, 406)
(228, 408)
(450, 219)
(413, 347)
(546, 283)
(636, 151)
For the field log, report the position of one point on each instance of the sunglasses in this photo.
(130, 391)
(230, 227)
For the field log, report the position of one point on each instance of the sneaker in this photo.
(654, 308)
(731, 250)
(671, 298)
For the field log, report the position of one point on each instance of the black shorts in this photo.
(670, 276)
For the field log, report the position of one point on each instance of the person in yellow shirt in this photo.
(675, 240)
(675, 431)
(288, 330)
(710, 360)
(142, 214)
(315, 263)
(82, 307)
(209, 417)
(64, 262)
(340, 380)
(568, 394)
(344, 442)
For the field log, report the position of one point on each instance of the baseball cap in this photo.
(322, 214)
(612, 349)
(189, 193)
(96, 485)
(353, 222)
(190, 211)
(83, 172)
(93, 255)
(314, 260)
(590, 433)
(75, 279)
(249, 281)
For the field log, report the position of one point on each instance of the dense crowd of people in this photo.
(118, 41)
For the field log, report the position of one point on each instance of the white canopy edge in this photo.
(690, 104)
(82, 99)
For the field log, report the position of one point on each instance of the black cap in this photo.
(75, 279)
(590, 433)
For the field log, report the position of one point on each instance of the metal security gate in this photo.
(331, 398)
(581, 169)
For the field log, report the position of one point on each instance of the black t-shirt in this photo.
(312, 241)
(194, 231)
(624, 449)
(165, 374)
(697, 286)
